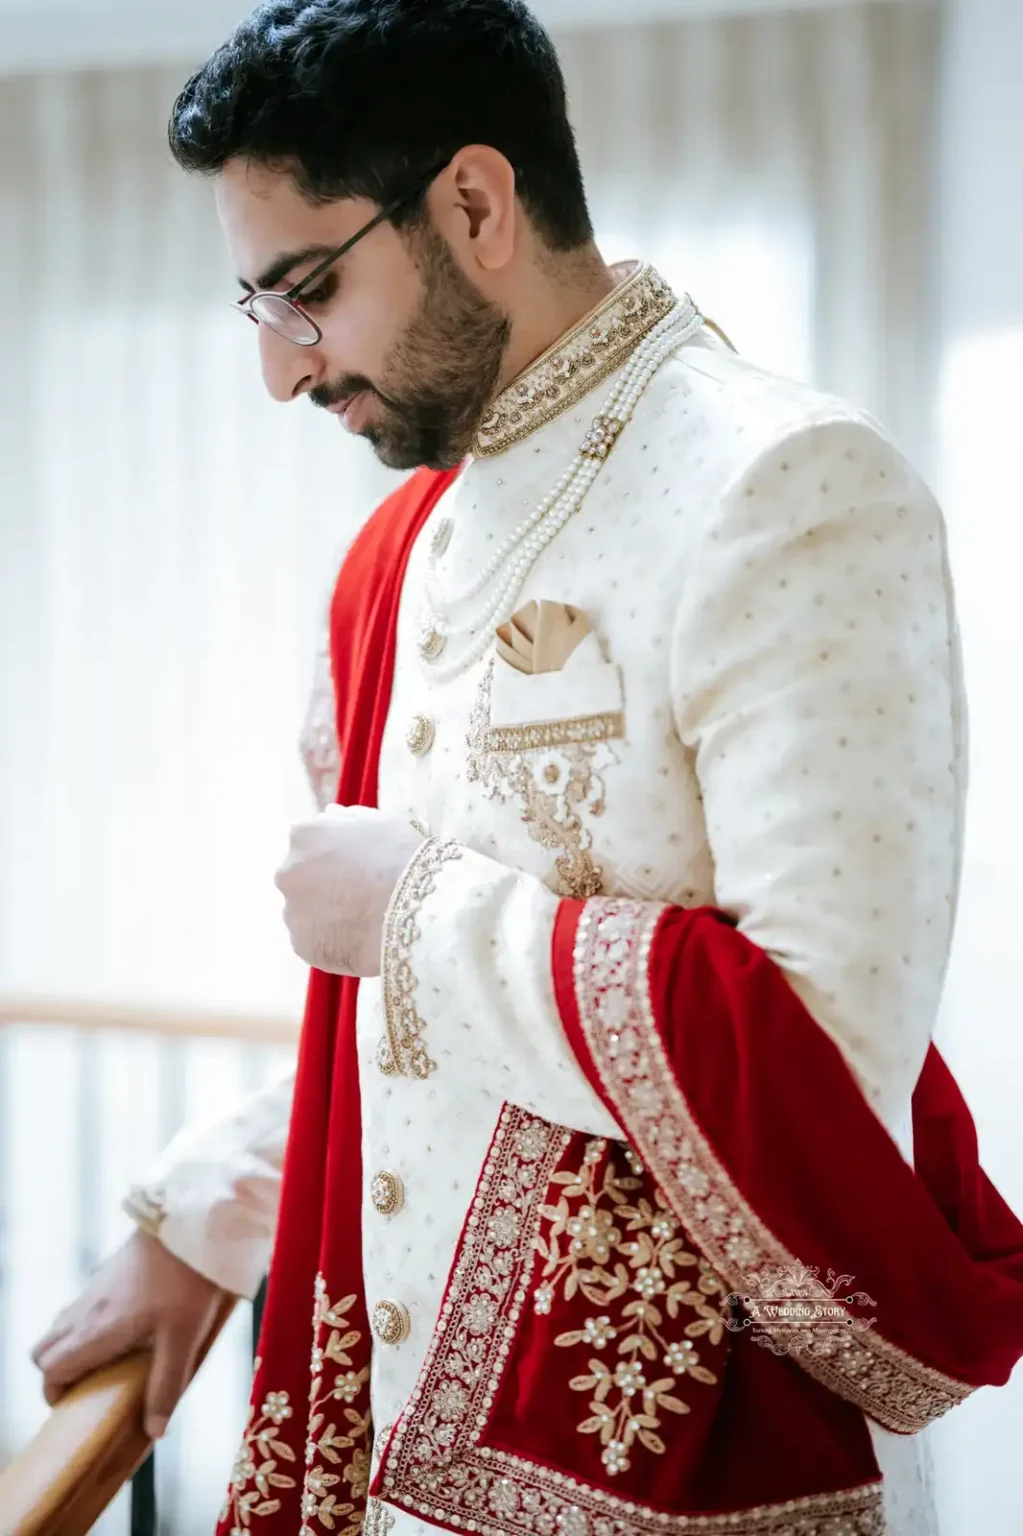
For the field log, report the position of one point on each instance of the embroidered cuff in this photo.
(146, 1208)
(467, 978)
(403, 1050)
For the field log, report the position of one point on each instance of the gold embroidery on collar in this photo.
(612, 955)
(402, 1050)
(576, 363)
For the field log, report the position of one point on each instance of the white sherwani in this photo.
(775, 652)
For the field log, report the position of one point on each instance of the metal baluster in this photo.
(89, 1090)
(254, 1060)
(143, 1498)
(258, 1304)
(170, 1113)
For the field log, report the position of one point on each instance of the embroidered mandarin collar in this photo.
(578, 361)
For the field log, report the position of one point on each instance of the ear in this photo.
(476, 208)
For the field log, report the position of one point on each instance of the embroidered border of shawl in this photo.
(435, 1466)
(611, 964)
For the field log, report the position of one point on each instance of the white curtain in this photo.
(781, 167)
(168, 539)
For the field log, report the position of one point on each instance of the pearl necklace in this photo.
(511, 563)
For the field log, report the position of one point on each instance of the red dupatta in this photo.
(304, 1461)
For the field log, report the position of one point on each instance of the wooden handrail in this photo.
(88, 1447)
(144, 1018)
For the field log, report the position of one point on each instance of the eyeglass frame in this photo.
(289, 295)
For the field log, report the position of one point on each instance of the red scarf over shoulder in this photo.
(759, 1153)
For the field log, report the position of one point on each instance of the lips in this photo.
(350, 410)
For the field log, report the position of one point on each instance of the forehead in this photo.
(262, 213)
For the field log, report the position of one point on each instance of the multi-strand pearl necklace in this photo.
(506, 570)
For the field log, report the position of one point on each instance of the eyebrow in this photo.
(285, 264)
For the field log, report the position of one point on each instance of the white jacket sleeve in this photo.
(816, 678)
(212, 1195)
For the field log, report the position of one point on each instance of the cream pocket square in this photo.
(541, 636)
(551, 683)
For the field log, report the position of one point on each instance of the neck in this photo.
(558, 296)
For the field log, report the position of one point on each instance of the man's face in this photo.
(411, 350)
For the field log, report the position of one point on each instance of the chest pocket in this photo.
(545, 741)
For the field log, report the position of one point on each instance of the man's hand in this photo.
(142, 1297)
(337, 883)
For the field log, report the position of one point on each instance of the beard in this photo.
(441, 373)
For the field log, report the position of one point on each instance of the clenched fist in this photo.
(337, 883)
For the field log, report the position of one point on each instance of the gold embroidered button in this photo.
(391, 1322)
(420, 735)
(387, 1192)
(431, 643)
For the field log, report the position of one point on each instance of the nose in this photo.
(288, 370)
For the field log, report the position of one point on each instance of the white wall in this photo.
(979, 422)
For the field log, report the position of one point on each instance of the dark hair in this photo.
(363, 97)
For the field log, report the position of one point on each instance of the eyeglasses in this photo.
(283, 313)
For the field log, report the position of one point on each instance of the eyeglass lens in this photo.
(281, 315)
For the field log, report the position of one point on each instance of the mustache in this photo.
(345, 388)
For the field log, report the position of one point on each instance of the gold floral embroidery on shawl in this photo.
(335, 1483)
(435, 1466)
(612, 956)
(557, 787)
(256, 1472)
(624, 1258)
(325, 1498)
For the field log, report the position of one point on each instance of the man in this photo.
(653, 675)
